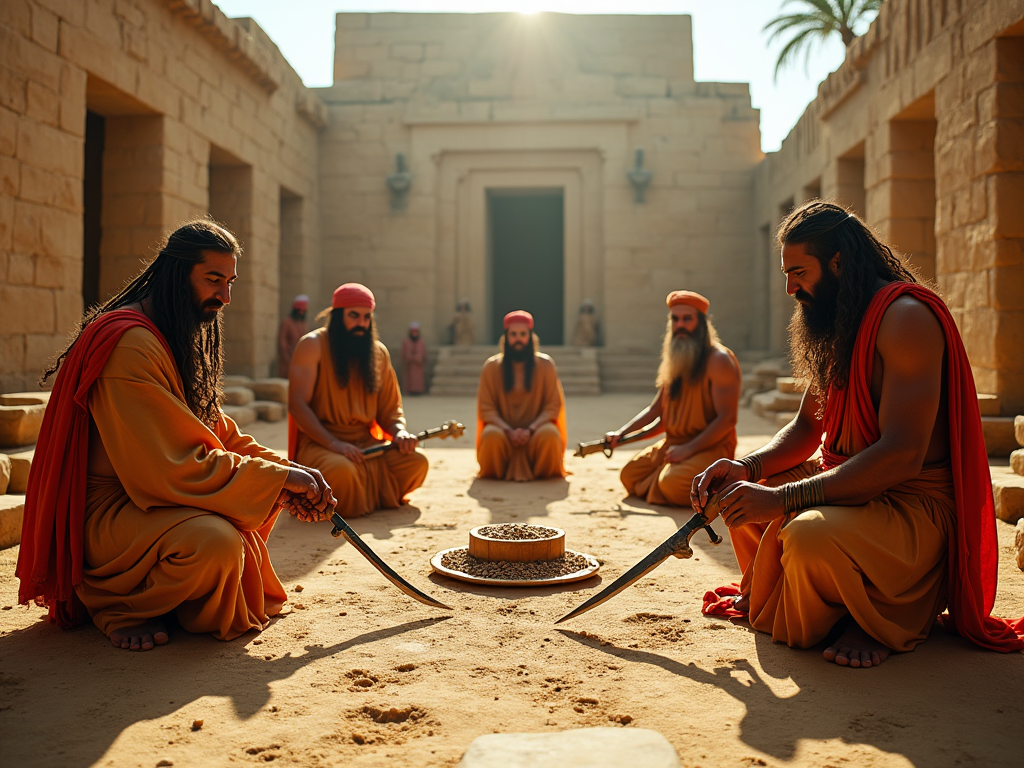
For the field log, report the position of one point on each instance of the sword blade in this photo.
(678, 542)
(341, 528)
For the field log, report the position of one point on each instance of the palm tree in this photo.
(818, 19)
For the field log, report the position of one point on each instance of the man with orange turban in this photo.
(343, 396)
(520, 409)
(698, 396)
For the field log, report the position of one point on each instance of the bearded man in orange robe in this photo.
(698, 396)
(895, 522)
(521, 433)
(343, 396)
(144, 499)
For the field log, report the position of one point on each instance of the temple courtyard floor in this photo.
(357, 674)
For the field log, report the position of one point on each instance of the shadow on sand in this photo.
(503, 505)
(64, 704)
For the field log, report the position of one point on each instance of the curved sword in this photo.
(677, 544)
(341, 528)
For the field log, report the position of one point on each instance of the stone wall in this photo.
(498, 101)
(200, 113)
(921, 131)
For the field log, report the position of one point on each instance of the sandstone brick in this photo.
(788, 385)
(25, 398)
(5, 473)
(1008, 492)
(242, 415)
(19, 424)
(238, 396)
(269, 410)
(21, 464)
(999, 435)
(1018, 430)
(12, 512)
(44, 28)
(989, 405)
(42, 104)
(271, 389)
(1017, 461)
(25, 309)
(1018, 543)
(236, 381)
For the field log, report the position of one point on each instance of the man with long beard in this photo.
(896, 521)
(698, 395)
(144, 499)
(343, 396)
(521, 432)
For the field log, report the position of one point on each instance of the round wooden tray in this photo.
(516, 550)
(568, 578)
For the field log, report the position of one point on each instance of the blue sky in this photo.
(729, 45)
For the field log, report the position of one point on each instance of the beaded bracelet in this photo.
(753, 465)
(803, 494)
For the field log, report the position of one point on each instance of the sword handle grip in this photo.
(715, 538)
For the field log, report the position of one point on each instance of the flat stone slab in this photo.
(787, 385)
(271, 389)
(19, 424)
(41, 397)
(12, 511)
(1018, 430)
(268, 410)
(1017, 461)
(5, 473)
(21, 463)
(1008, 492)
(768, 403)
(238, 396)
(243, 415)
(989, 405)
(581, 748)
(999, 435)
(236, 381)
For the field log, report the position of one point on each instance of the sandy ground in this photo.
(319, 686)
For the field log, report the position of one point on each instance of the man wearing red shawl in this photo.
(521, 433)
(895, 523)
(343, 396)
(144, 499)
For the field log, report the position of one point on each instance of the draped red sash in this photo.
(973, 549)
(51, 556)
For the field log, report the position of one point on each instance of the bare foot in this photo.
(742, 604)
(141, 637)
(856, 648)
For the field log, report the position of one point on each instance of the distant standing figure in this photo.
(586, 326)
(414, 362)
(293, 328)
(462, 327)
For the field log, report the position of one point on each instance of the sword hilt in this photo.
(715, 538)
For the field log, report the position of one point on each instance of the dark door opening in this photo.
(527, 270)
(92, 198)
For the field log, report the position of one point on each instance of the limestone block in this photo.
(1018, 430)
(236, 381)
(5, 473)
(1017, 461)
(238, 396)
(1008, 492)
(242, 415)
(789, 386)
(759, 404)
(12, 510)
(19, 424)
(768, 368)
(782, 418)
(268, 410)
(774, 401)
(25, 398)
(21, 463)
(271, 389)
(1018, 543)
(578, 748)
(999, 435)
(989, 405)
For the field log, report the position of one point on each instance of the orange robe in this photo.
(182, 524)
(354, 416)
(543, 455)
(649, 476)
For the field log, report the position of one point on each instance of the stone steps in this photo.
(457, 371)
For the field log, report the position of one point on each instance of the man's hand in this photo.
(306, 495)
(722, 474)
(349, 451)
(405, 441)
(675, 454)
(613, 439)
(518, 437)
(745, 503)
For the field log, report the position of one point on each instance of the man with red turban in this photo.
(343, 396)
(292, 329)
(698, 397)
(521, 431)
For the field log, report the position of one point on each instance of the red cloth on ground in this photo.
(50, 560)
(721, 602)
(974, 551)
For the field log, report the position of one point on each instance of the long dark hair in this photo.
(508, 372)
(825, 229)
(198, 347)
(348, 351)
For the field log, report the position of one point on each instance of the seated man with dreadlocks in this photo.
(895, 522)
(698, 396)
(521, 431)
(343, 396)
(144, 499)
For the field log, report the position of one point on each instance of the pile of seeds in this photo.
(461, 560)
(516, 532)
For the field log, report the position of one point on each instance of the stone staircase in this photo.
(457, 371)
(628, 370)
